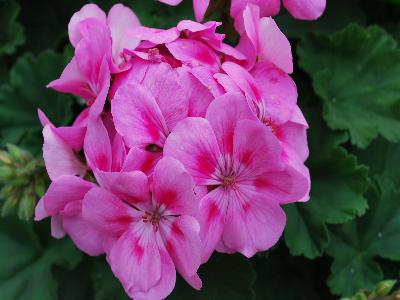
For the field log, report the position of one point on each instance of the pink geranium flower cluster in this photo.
(187, 145)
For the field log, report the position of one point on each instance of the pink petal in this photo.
(183, 244)
(267, 8)
(141, 160)
(223, 114)
(86, 12)
(137, 72)
(59, 158)
(171, 2)
(229, 51)
(104, 82)
(211, 217)
(305, 9)
(107, 212)
(135, 259)
(227, 83)
(97, 146)
(164, 286)
(173, 187)
(85, 236)
(200, 8)
(64, 190)
(73, 135)
(257, 154)
(251, 19)
(252, 223)
(40, 211)
(82, 119)
(256, 150)
(137, 116)
(205, 76)
(91, 50)
(199, 96)
(118, 150)
(120, 20)
(287, 186)
(246, 83)
(73, 81)
(278, 91)
(193, 143)
(57, 229)
(274, 46)
(154, 35)
(193, 26)
(193, 53)
(247, 48)
(293, 136)
(163, 83)
(131, 187)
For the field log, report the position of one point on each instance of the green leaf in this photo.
(26, 92)
(355, 72)
(305, 234)
(74, 284)
(25, 272)
(106, 285)
(224, 277)
(338, 185)
(355, 245)
(349, 12)
(11, 33)
(382, 157)
(279, 277)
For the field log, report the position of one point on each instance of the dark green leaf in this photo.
(28, 276)
(11, 33)
(305, 233)
(106, 285)
(25, 93)
(224, 277)
(281, 278)
(355, 72)
(348, 10)
(355, 244)
(338, 184)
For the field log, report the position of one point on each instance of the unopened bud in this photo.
(360, 296)
(9, 206)
(17, 154)
(383, 288)
(6, 173)
(26, 206)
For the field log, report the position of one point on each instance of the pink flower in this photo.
(240, 161)
(262, 40)
(63, 202)
(61, 145)
(272, 96)
(99, 42)
(199, 6)
(300, 9)
(154, 235)
(144, 112)
(191, 44)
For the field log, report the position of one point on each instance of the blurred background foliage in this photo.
(342, 243)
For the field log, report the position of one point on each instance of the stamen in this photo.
(153, 218)
(228, 181)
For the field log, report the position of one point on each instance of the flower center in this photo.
(153, 218)
(228, 181)
(269, 123)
